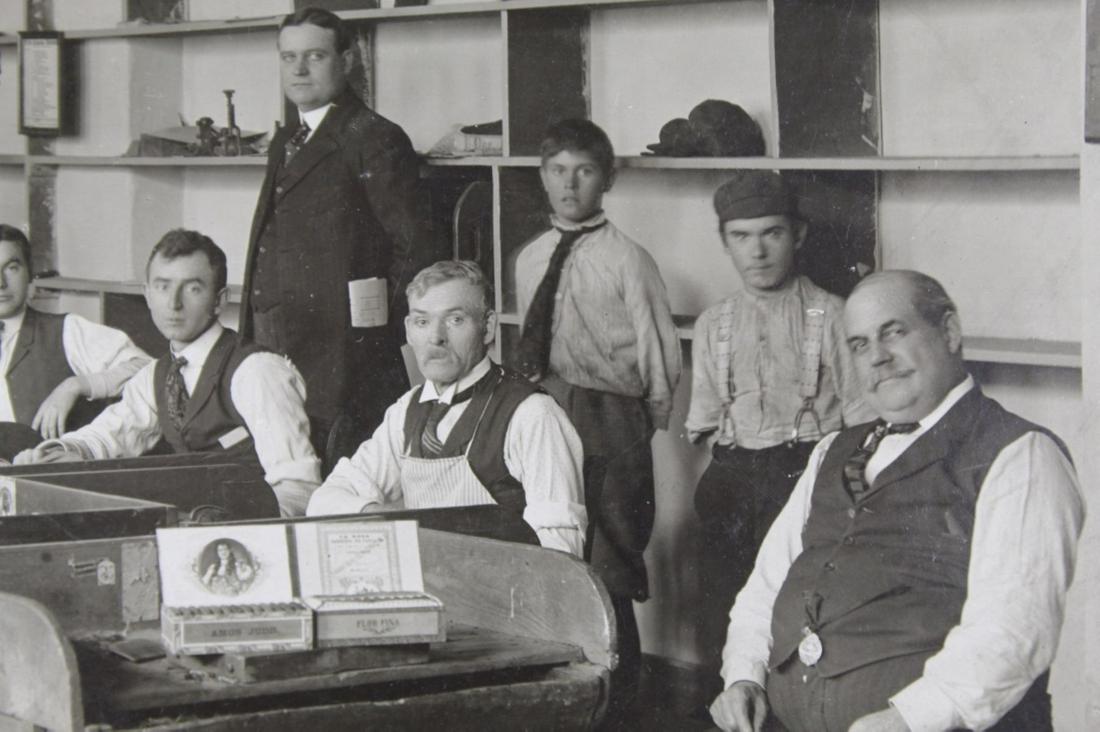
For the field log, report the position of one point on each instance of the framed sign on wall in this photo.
(45, 84)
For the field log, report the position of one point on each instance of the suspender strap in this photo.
(813, 335)
(724, 353)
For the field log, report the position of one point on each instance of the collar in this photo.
(562, 225)
(197, 350)
(429, 392)
(929, 421)
(793, 286)
(314, 117)
(14, 324)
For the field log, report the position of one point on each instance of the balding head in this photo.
(904, 335)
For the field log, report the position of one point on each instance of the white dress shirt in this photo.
(541, 450)
(267, 391)
(313, 118)
(1027, 519)
(103, 358)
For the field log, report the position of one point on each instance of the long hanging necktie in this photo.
(855, 468)
(176, 391)
(430, 444)
(533, 349)
(294, 144)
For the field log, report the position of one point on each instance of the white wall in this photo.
(651, 65)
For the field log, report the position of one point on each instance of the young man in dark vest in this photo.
(57, 368)
(473, 434)
(916, 579)
(211, 392)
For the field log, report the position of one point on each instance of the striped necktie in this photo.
(533, 349)
(430, 444)
(855, 468)
(294, 144)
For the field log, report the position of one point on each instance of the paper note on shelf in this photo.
(368, 302)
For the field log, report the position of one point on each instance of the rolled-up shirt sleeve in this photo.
(104, 358)
(270, 395)
(370, 477)
(543, 452)
(1009, 627)
(127, 428)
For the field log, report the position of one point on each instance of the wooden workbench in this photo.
(530, 643)
(203, 486)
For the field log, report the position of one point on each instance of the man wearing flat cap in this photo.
(771, 376)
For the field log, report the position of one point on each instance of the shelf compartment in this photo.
(108, 161)
(982, 349)
(904, 164)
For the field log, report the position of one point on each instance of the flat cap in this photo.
(750, 194)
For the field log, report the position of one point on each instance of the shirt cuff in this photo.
(293, 496)
(742, 669)
(556, 515)
(924, 707)
(570, 541)
(302, 470)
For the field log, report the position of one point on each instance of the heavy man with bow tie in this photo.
(916, 579)
(474, 434)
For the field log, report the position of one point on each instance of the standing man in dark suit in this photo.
(341, 201)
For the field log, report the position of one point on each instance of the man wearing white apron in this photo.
(474, 434)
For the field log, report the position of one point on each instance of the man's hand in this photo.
(741, 708)
(888, 720)
(47, 452)
(54, 410)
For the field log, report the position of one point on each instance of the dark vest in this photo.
(885, 576)
(210, 413)
(38, 365)
(496, 397)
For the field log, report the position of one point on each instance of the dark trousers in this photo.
(802, 701)
(618, 495)
(737, 499)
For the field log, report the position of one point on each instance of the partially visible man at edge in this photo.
(916, 579)
(57, 367)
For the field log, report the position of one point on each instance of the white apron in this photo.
(443, 482)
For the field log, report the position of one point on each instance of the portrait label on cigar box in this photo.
(228, 589)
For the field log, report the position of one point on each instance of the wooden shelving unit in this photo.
(830, 141)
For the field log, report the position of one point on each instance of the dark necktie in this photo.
(294, 144)
(856, 466)
(1, 338)
(430, 444)
(533, 349)
(176, 391)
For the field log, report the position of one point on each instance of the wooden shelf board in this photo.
(1023, 351)
(270, 22)
(244, 161)
(1020, 351)
(78, 284)
(262, 23)
(915, 165)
